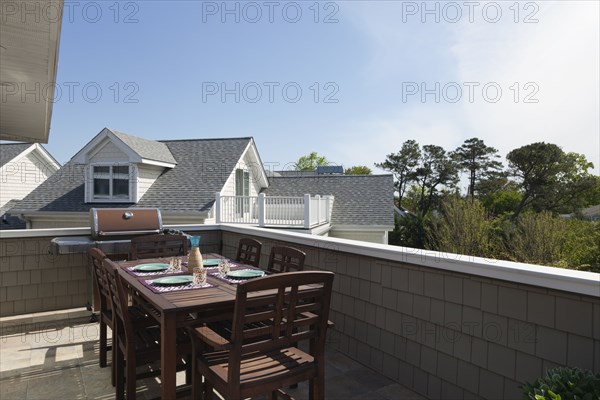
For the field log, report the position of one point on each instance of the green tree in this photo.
(310, 162)
(403, 165)
(409, 231)
(535, 238)
(436, 170)
(549, 178)
(581, 245)
(358, 170)
(494, 182)
(478, 160)
(592, 197)
(502, 201)
(463, 228)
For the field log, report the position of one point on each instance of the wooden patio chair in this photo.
(154, 246)
(248, 252)
(137, 339)
(260, 357)
(105, 317)
(285, 259)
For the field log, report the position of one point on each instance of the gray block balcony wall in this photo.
(447, 326)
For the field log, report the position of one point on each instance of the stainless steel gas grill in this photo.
(111, 231)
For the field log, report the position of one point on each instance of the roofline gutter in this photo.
(26, 215)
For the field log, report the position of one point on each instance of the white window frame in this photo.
(133, 172)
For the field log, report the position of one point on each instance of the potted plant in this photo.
(564, 383)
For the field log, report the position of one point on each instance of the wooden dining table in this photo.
(174, 309)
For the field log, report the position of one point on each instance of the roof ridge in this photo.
(203, 139)
(326, 175)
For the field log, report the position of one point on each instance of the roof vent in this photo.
(330, 170)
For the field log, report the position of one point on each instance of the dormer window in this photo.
(111, 183)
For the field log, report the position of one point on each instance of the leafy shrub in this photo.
(463, 228)
(409, 231)
(536, 238)
(581, 247)
(564, 383)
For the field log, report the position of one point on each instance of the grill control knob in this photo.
(127, 215)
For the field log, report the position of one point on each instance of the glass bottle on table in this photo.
(195, 257)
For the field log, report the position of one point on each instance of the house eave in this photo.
(362, 228)
(262, 178)
(157, 163)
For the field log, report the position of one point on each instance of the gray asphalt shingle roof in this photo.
(8, 221)
(203, 166)
(145, 148)
(359, 199)
(8, 151)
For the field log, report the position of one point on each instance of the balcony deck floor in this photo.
(55, 356)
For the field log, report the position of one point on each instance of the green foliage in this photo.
(436, 170)
(431, 169)
(581, 245)
(564, 383)
(310, 162)
(358, 170)
(550, 179)
(408, 231)
(403, 165)
(535, 238)
(502, 201)
(479, 160)
(502, 218)
(464, 228)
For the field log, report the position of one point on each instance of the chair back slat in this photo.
(249, 252)
(285, 259)
(154, 246)
(267, 314)
(98, 257)
(119, 299)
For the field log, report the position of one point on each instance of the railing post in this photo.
(218, 208)
(328, 208)
(318, 198)
(261, 209)
(307, 211)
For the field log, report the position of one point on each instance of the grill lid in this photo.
(124, 221)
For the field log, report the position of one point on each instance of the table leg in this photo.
(168, 358)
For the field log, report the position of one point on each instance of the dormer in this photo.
(120, 167)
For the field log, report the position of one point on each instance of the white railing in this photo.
(283, 211)
(237, 209)
(303, 212)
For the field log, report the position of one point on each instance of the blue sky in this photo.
(352, 81)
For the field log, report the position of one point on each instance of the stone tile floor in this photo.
(55, 356)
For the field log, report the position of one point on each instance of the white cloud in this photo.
(557, 58)
(560, 56)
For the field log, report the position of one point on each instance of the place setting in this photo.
(174, 266)
(234, 273)
(197, 280)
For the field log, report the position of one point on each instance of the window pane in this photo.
(121, 188)
(101, 187)
(246, 183)
(121, 172)
(239, 182)
(102, 172)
